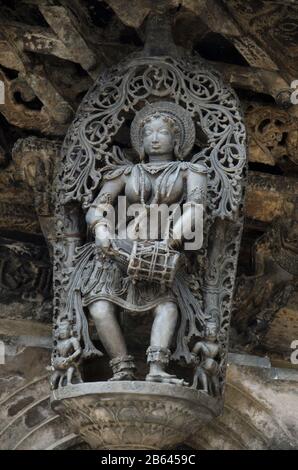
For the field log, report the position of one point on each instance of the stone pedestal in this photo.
(134, 415)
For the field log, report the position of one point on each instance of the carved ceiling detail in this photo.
(274, 25)
(273, 135)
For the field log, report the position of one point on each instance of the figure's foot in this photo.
(77, 379)
(123, 368)
(158, 359)
(165, 378)
(123, 375)
(158, 371)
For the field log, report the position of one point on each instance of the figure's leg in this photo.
(164, 324)
(61, 379)
(200, 380)
(196, 377)
(203, 381)
(77, 374)
(103, 314)
(163, 328)
(55, 380)
(70, 372)
(214, 386)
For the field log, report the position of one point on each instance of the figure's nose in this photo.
(155, 138)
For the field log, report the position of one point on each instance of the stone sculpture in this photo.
(205, 354)
(156, 130)
(69, 350)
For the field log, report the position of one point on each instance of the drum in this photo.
(146, 260)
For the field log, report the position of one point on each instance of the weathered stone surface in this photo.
(269, 24)
(283, 329)
(134, 13)
(256, 79)
(250, 419)
(269, 197)
(65, 25)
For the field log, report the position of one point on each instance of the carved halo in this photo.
(182, 118)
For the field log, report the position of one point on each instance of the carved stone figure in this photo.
(159, 133)
(160, 130)
(205, 354)
(165, 172)
(68, 348)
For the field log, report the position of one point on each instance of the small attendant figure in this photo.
(69, 350)
(205, 354)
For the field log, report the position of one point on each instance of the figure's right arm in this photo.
(198, 347)
(100, 216)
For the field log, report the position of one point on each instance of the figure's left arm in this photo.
(196, 185)
(190, 225)
(77, 350)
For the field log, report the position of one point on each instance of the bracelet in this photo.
(104, 222)
(103, 206)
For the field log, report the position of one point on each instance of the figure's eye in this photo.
(147, 131)
(164, 131)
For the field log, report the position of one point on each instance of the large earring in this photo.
(142, 153)
(176, 150)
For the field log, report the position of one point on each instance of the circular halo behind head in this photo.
(181, 117)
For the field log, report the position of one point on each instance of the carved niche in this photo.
(160, 127)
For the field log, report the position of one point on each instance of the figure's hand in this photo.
(102, 237)
(60, 363)
(175, 243)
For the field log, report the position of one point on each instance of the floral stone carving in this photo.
(134, 415)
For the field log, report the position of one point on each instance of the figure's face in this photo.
(158, 138)
(211, 333)
(64, 331)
